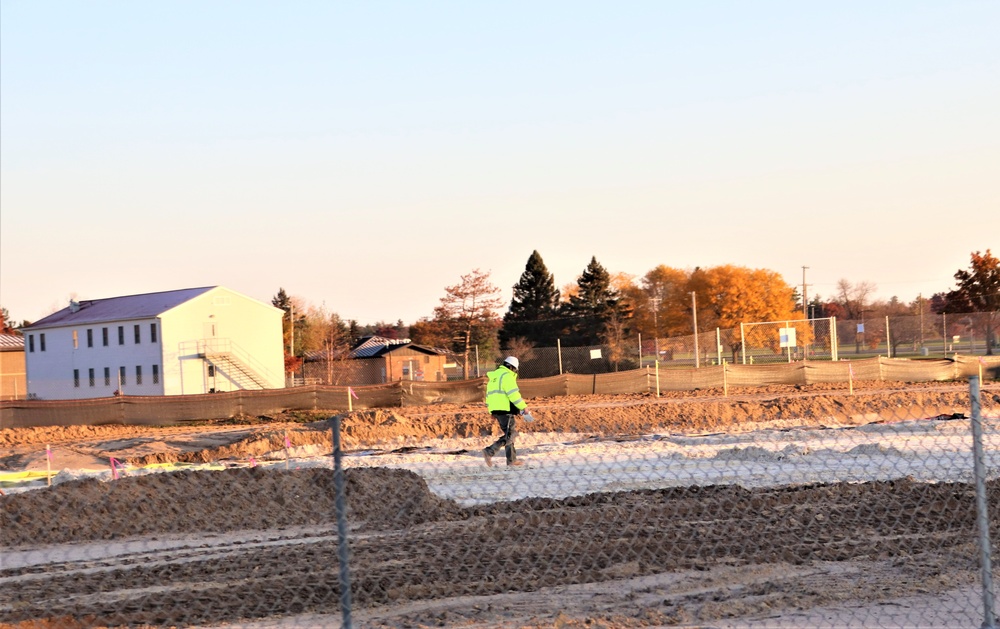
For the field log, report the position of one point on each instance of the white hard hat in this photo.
(511, 361)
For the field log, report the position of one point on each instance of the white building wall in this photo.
(251, 328)
(63, 370)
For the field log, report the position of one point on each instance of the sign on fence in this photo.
(786, 337)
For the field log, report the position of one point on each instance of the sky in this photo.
(365, 156)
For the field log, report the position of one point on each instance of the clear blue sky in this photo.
(363, 156)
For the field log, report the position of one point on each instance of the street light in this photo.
(656, 326)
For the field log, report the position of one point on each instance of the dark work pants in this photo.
(508, 424)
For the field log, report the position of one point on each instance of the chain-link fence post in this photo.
(340, 507)
(982, 516)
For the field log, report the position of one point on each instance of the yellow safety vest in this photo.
(502, 393)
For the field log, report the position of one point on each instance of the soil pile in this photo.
(656, 557)
(215, 502)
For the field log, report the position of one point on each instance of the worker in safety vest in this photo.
(503, 400)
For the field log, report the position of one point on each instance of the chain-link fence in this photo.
(826, 339)
(651, 379)
(752, 343)
(913, 336)
(819, 509)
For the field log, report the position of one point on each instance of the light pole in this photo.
(656, 326)
(694, 314)
(805, 307)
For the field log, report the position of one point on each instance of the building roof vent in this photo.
(74, 306)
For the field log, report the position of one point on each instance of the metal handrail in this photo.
(216, 346)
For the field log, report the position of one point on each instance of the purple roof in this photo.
(374, 346)
(10, 342)
(89, 311)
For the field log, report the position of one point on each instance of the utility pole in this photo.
(920, 306)
(694, 313)
(656, 327)
(805, 315)
(805, 301)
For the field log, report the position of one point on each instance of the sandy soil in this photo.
(205, 548)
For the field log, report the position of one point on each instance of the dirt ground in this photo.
(206, 548)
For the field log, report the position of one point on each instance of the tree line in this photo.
(605, 309)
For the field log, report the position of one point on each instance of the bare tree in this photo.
(523, 349)
(469, 310)
(326, 335)
(854, 298)
(614, 336)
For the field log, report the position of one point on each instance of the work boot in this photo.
(515, 463)
(488, 457)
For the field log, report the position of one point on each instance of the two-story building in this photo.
(193, 340)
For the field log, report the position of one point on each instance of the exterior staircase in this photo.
(232, 363)
(238, 372)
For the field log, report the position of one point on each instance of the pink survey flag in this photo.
(353, 394)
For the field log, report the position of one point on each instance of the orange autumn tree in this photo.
(661, 303)
(729, 295)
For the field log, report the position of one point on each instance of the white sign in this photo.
(861, 328)
(595, 353)
(787, 337)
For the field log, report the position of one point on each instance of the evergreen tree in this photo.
(979, 291)
(282, 301)
(534, 307)
(594, 305)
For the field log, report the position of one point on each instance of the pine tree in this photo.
(979, 291)
(281, 300)
(534, 307)
(595, 304)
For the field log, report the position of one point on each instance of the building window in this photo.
(138, 373)
(31, 342)
(90, 337)
(76, 340)
(137, 336)
(92, 378)
(121, 335)
(104, 335)
(121, 376)
(152, 332)
(76, 378)
(107, 374)
(211, 371)
(156, 374)
(41, 342)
